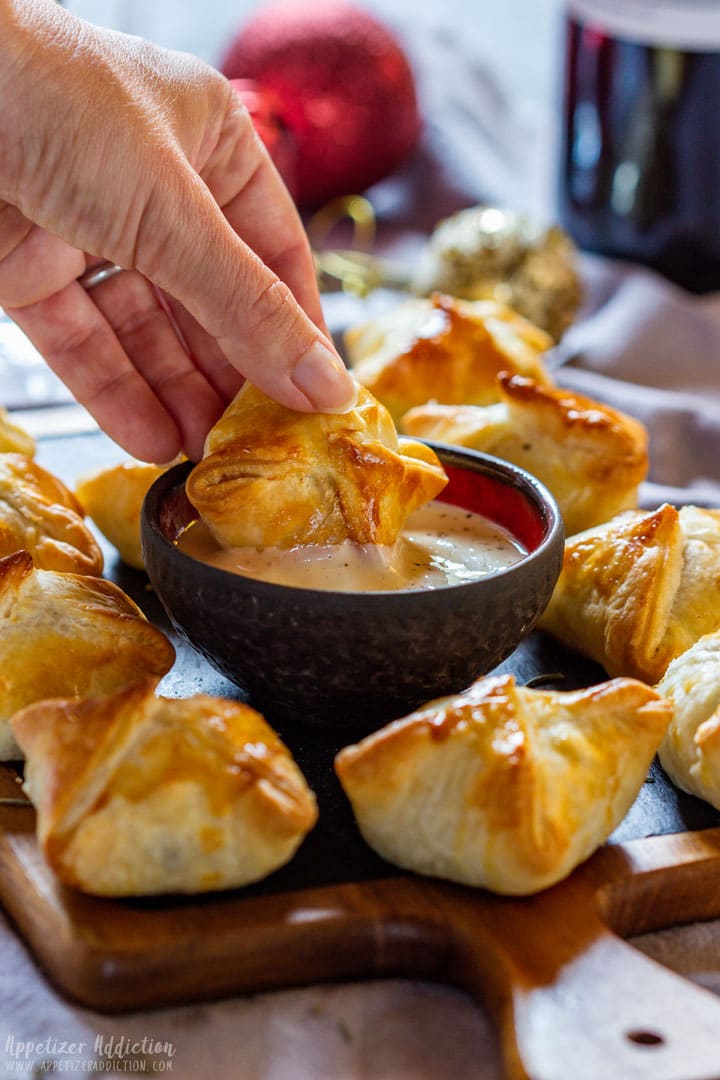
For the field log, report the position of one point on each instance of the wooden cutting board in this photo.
(570, 998)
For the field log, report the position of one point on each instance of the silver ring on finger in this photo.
(98, 274)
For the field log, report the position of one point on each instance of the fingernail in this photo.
(321, 377)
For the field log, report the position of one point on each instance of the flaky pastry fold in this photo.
(591, 457)
(273, 477)
(444, 349)
(503, 786)
(40, 514)
(639, 590)
(113, 498)
(13, 438)
(690, 752)
(138, 794)
(67, 635)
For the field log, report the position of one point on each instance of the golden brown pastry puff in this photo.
(13, 438)
(64, 635)
(444, 349)
(273, 477)
(639, 590)
(590, 456)
(690, 752)
(40, 514)
(113, 498)
(502, 786)
(138, 794)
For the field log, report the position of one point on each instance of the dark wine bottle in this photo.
(640, 149)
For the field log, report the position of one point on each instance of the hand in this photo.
(111, 148)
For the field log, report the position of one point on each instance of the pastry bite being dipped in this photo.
(113, 498)
(138, 794)
(590, 456)
(332, 502)
(502, 786)
(64, 635)
(274, 477)
(690, 752)
(13, 438)
(639, 590)
(444, 349)
(39, 514)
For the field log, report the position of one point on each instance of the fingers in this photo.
(249, 311)
(116, 348)
(81, 347)
(141, 324)
(135, 406)
(205, 351)
(258, 206)
(244, 292)
(33, 263)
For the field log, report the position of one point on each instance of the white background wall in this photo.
(516, 39)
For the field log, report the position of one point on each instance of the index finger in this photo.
(187, 247)
(260, 209)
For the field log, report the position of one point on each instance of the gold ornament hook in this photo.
(355, 208)
(353, 269)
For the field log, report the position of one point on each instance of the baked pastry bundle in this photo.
(444, 349)
(591, 457)
(273, 477)
(138, 794)
(64, 635)
(639, 590)
(40, 514)
(13, 438)
(690, 752)
(113, 498)
(503, 786)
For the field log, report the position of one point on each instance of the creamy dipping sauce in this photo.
(440, 545)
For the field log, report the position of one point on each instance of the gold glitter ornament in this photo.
(489, 253)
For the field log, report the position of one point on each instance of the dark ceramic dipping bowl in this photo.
(360, 659)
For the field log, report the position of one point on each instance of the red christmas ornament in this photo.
(339, 83)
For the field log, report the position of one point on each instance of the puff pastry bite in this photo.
(591, 457)
(444, 349)
(64, 635)
(639, 590)
(690, 752)
(40, 514)
(138, 794)
(113, 498)
(273, 477)
(502, 786)
(13, 438)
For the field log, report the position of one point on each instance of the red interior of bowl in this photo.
(505, 505)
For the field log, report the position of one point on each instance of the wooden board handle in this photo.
(571, 999)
